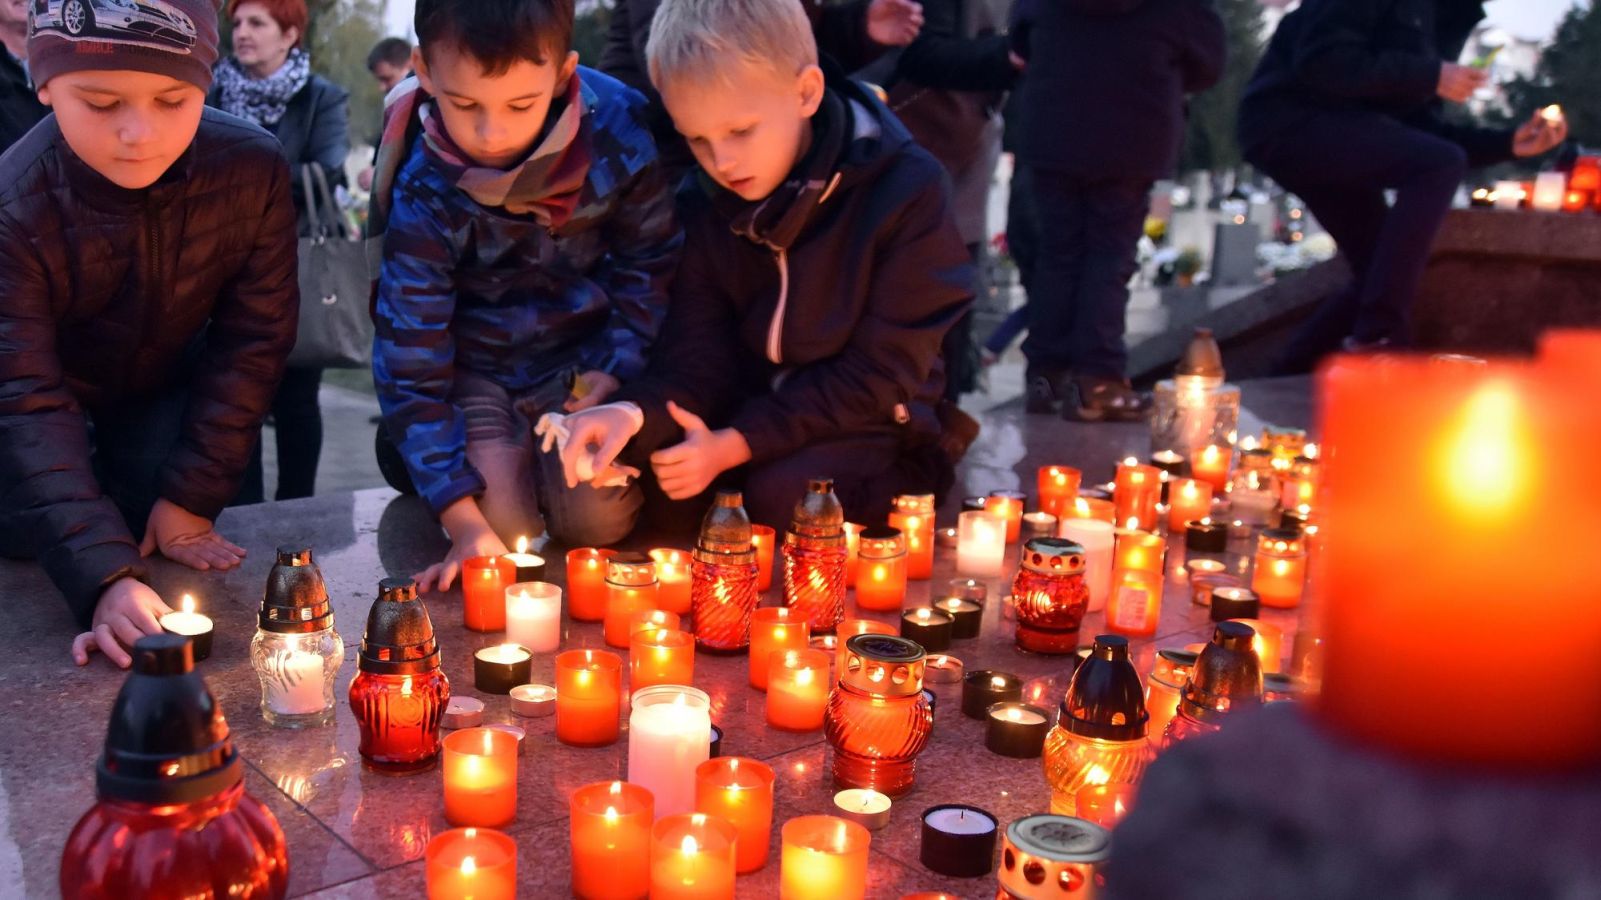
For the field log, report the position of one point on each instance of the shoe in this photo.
(958, 431)
(1044, 392)
(1096, 399)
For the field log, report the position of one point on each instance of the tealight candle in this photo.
(958, 840)
(966, 615)
(853, 544)
(848, 629)
(610, 824)
(660, 656)
(763, 538)
(516, 731)
(190, 624)
(1138, 488)
(586, 583)
(932, 628)
(1092, 508)
(774, 629)
(1234, 602)
(1097, 538)
(672, 574)
(463, 712)
(981, 546)
(797, 689)
(1205, 585)
(631, 586)
(1280, 573)
(529, 566)
(533, 700)
(533, 616)
(947, 537)
(483, 592)
(864, 806)
(716, 742)
(1057, 486)
(496, 670)
(1211, 465)
(1204, 536)
(968, 589)
(471, 864)
(692, 858)
(480, 778)
(1017, 730)
(823, 858)
(943, 670)
(1105, 804)
(1039, 524)
(1188, 499)
(1008, 505)
(588, 697)
(883, 567)
(739, 791)
(913, 517)
(984, 688)
(667, 740)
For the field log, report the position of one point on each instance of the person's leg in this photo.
(1114, 219)
(500, 446)
(1022, 225)
(961, 363)
(298, 425)
(253, 484)
(584, 516)
(1059, 207)
(131, 446)
(1353, 217)
(864, 469)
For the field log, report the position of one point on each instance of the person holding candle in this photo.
(527, 237)
(787, 351)
(147, 320)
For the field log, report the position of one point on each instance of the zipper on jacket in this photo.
(775, 329)
(152, 271)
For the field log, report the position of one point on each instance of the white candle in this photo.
(667, 732)
(295, 684)
(980, 544)
(864, 806)
(1097, 539)
(533, 616)
(1508, 194)
(960, 820)
(1550, 188)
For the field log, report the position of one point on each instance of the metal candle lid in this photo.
(1202, 358)
(1060, 838)
(1053, 556)
(1106, 699)
(400, 637)
(915, 504)
(1281, 542)
(1227, 674)
(883, 664)
(725, 532)
(881, 543)
(819, 519)
(631, 569)
(296, 599)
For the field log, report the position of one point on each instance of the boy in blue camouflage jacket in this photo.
(527, 239)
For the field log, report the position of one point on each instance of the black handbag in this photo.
(335, 328)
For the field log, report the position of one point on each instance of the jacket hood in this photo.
(876, 134)
(1102, 7)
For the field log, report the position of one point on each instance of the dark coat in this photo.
(20, 108)
(874, 281)
(108, 291)
(945, 56)
(1380, 56)
(315, 129)
(1106, 81)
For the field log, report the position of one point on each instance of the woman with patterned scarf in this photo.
(268, 81)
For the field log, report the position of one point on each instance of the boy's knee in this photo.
(1448, 164)
(604, 518)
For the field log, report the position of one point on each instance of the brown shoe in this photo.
(1096, 399)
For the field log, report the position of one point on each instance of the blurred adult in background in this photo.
(20, 108)
(1347, 103)
(390, 62)
(268, 80)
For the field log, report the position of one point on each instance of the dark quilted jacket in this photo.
(105, 290)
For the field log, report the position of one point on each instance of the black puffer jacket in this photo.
(105, 290)
(20, 108)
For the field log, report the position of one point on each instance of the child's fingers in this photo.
(670, 456)
(144, 619)
(447, 574)
(425, 578)
(81, 646)
(107, 643)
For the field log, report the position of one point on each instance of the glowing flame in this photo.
(998, 682)
(617, 789)
(522, 544)
(1097, 775)
(469, 866)
(187, 604)
(611, 815)
(1486, 459)
(688, 846)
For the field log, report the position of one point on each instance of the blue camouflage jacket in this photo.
(466, 286)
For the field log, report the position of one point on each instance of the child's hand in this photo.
(470, 536)
(1539, 134)
(186, 538)
(894, 23)
(687, 469)
(127, 611)
(609, 430)
(591, 389)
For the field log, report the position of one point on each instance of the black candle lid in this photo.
(400, 637)
(1106, 699)
(167, 741)
(1053, 556)
(295, 600)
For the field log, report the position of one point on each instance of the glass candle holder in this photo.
(296, 652)
(980, 544)
(724, 576)
(774, 629)
(1093, 508)
(983, 688)
(588, 697)
(1189, 499)
(1226, 678)
(967, 617)
(667, 739)
(883, 568)
(1008, 506)
(1212, 465)
(1100, 735)
(848, 629)
(533, 616)
(1187, 415)
(1298, 485)
(1048, 855)
(609, 834)
(586, 583)
(1057, 487)
(1280, 571)
(814, 558)
(823, 858)
(1268, 643)
(498, 669)
(1097, 538)
(1136, 604)
(1164, 689)
(653, 620)
(931, 628)
(739, 791)
(692, 858)
(1285, 444)
(1139, 551)
(853, 540)
(530, 566)
(483, 592)
(797, 689)
(1138, 489)
(480, 778)
(1051, 596)
(400, 693)
(913, 517)
(673, 580)
(1251, 497)
(631, 586)
(480, 863)
(878, 718)
(659, 656)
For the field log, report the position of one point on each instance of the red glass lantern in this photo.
(814, 558)
(1586, 174)
(399, 695)
(878, 718)
(1227, 677)
(172, 819)
(1050, 595)
(723, 573)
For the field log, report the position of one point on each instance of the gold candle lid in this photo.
(886, 665)
(631, 569)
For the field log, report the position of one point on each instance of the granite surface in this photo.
(354, 833)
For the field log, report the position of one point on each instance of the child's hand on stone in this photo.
(127, 611)
(186, 538)
(685, 470)
(466, 542)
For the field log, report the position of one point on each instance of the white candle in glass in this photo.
(980, 544)
(295, 687)
(667, 731)
(533, 616)
(1097, 539)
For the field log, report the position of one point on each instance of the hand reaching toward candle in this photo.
(128, 610)
(594, 438)
(591, 389)
(186, 538)
(894, 23)
(685, 470)
(1539, 134)
(470, 536)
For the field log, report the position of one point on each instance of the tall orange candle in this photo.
(588, 697)
(1009, 506)
(913, 516)
(660, 657)
(1092, 508)
(740, 791)
(610, 825)
(480, 778)
(586, 583)
(849, 629)
(631, 586)
(672, 576)
(853, 534)
(471, 864)
(1139, 551)
(1280, 573)
(1136, 602)
(1189, 500)
(797, 689)
(881, 584)
(774, 629)
(1058, 488)
(484, 580)
(1470, 511)
(1211, 464)
(763, 538)
(824, 858)
(692, 858)
(1136, 492)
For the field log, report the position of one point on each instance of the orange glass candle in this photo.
(881, 584)
(1268, 644)
(739, 791)
(480, 778)
(1211, 464)
(586, 583)
(1136, 602)
(853, 534)
(653, 620)
(849, 629)
(1137, 490)
(692, 858)
(823, 858)
(631, 586)
(1092, 508)
(764, 539)
(913, 516)
(610, 839)
(471, 864)
(1138, 551)
(1009, 506)
(1280, 573)
(774, 629)
(589, 696)
(672, 576)
(797, 689)
(1105, 804)
(1058, 488)
(657, 656)
(484, 580)
(1189, 500)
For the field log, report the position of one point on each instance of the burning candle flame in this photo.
(522, 544)
(688, 846)
(187, 604)
(1486, 462)
(611, 815)
(998, 682)
(469, 866)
